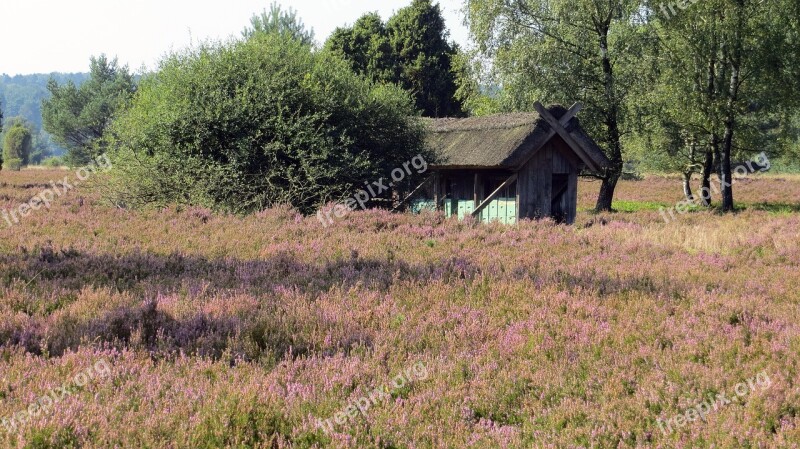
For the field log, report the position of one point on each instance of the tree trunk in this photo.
(606, 197)
(687, 174)
(708, 169)
(726, 181)
(713, 150)
(735, 61)
(611, 176)
(717, 155)
(687, 186)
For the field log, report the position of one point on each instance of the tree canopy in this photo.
(411, 50)
(285, 23)
(22, 95)
(689, 89)
(77, 116)
(562, 51)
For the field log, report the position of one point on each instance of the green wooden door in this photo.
(465, 208)
(503, 210)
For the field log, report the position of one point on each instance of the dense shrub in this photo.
(245, 125)
(13, 163)
(17, 145)
(54, 162)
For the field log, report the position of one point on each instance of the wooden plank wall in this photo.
(534, 193)
(534, 186)
(463, 185)
(561, 164)
(572, 197)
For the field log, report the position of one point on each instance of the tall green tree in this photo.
(77, 117)
(412, 50)
(418, 36)
(562, 51)
(17, 143)
(285, 23)
(676, 129)
(760, 58)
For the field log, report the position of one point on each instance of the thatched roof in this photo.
(501, 141)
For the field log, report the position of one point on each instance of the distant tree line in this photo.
(21, 97)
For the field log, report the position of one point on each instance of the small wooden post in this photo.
(436, 189)
(475, 189)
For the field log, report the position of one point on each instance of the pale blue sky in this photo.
(42, 36)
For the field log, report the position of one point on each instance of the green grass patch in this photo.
(636, 206)
(775, 208)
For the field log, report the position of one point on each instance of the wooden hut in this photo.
(511, 166)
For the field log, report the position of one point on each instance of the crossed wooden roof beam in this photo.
(559, 127)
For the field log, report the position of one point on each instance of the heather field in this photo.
(181, 328)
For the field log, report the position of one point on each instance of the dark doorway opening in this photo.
(559, 209)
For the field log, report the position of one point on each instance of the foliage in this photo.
(13, 163)
(279, 21)
(367, 47)
(17, 143)
(411, 50)
(42, 147)
(53, 162)
(77, 116)
(475, 91)
(246, 125)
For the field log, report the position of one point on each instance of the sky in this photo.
(44, 36)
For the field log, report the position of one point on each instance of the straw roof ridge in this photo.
(490, 122)
(499, 140)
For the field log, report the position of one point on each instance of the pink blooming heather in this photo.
(228, 331)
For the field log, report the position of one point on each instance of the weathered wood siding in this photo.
(572, 195)
(561, 165)
(534, 186)
(571, 164)
(458, 185)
